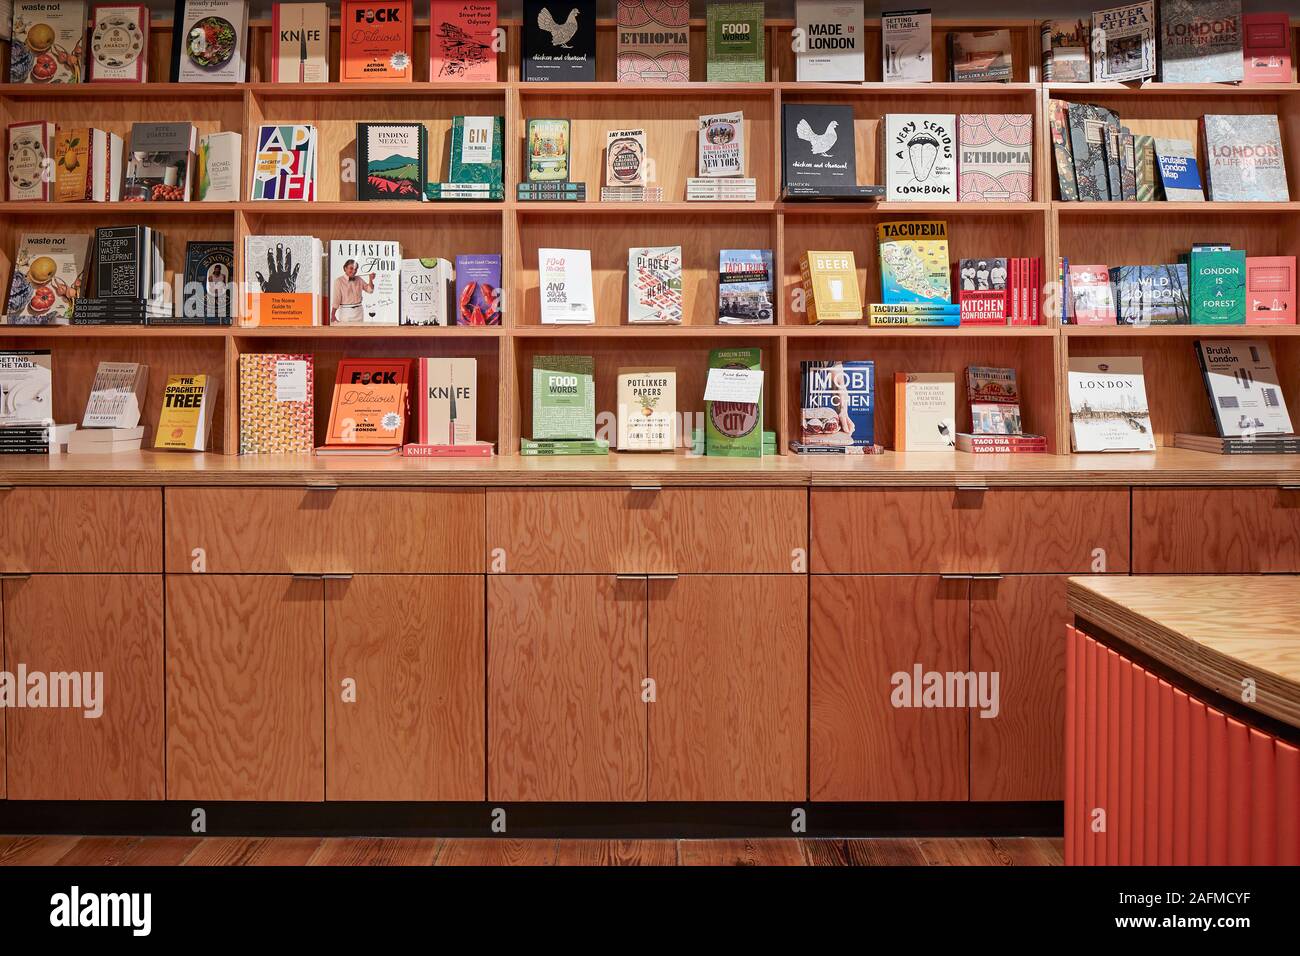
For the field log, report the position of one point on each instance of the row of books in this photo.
(1098, 159)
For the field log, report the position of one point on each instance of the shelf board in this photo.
(644, 331)
(1171, 89)
(876, 88)
(1152, 210)
(1182, 331)
(960, 331)
(117, 208)
(123, 91)
(115, 331)
(822, 208)
(377, 208)
(315, 91)
(370, 332)
(641, 90)
(595, 206)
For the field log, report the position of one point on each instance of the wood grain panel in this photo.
(673, 530)
(1018, 631)
(728, 654)
(777, 852)
(310, 531)
(566, 657)
(501, 852)
(1216, 530)
(107, 530)
(376, 851)
(414, 647)
(863, 630)
(616, 853)
(83, 625)
(883, 530)
(245, 667)
(254, 851)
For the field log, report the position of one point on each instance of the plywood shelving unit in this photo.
(1113, 233)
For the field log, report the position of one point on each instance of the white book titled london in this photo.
(1108, 405)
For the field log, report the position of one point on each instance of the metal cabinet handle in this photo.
(647, 487)
(662, 577)
(973, 488)
(994, 576)
(308, 577)
(629, 577)
(337, 577)
(1290, 487)
(318, 486)
(16, 576)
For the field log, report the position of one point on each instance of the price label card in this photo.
(734, 385)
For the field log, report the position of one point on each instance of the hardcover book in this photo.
(446, 401)
(647, 409)
(122, 262)
(1127, 165)
(284, 164)
(1242, 383)
(1218, 287)
(1145, 167)
(119, 43)
(559, 39)
(1243, 156)
(817, 146)
(914, 262)
(625, 157)
(1059, 127)
(1200, 41)
(300, 43)
(1162, 295)
(830, 49)
(427, 287)
(1090, 134)
(734, 429)
(1124, 43)
(735, 42)
(1180, 178)
(746, 287)
(994, 401)
(376, 41)
(211, 46)
(87, 165)
(837, 406)
(830, 287)
(368, 412)
(564, 279)
(995, 157)
(722, 145)
(29, 153)
(982, 291)
(920, 157)
(48, 42)
(905, 49)
(209, 282)
(1092, 296)
(218, 167)
(548, 150)
(925, 411)
(477, 149)
(277, 407)
(980, 56)
(283, 280)
(392, 161)
(654, 41)
(1266, 43)
(462, 41)
(185, 419)
(1270, 290)
(117, 395)
(365, 282)
(160, 162)
(26, 381)
(478, 289)
(654, 285)
(1108, 405)
(1065, 51)
(564, 397)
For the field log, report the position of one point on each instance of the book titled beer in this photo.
(647, 409)
(185, 420)
(376, 41)
(830, 286)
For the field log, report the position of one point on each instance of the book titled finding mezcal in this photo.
(920, 157)
(1108, 405)
(392, 159)
(1124, 43)
(1243, 158)
(830, 49)
(654, 285)
(462, 41)
(1242, 382)
(906, 46)
(365, 282)
(647, 409)
(301, 43)
(559, 38)
(211, 45)
(1200, 41)
(564, 276)
(376, 41)
(735, 43)
(654, 41)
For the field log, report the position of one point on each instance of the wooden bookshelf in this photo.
(1113, 233)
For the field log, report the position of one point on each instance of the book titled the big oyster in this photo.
(722, 145)
(1200, 41)
(830, 48)
(906, 46)
(920, 157)
(1124, 43)
(1244, 160)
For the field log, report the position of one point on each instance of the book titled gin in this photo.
(647, 409)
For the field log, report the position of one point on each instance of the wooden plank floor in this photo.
(411, 851)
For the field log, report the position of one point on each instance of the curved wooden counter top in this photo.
(1216, 630)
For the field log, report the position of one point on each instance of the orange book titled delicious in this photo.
(376, 40)
(368, 413)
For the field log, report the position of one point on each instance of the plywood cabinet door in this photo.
(245, 669)
(566, 658)
(1216, 530)
(407, 651)
(864, 631)
(728, 654)
(1018, 632)
(69, 629)
(100, 530)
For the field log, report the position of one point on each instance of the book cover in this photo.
(369, 404)
(1200, 41)
(1218, 287)
(979, 56)
(117, 395)
(120, 263)
(1270, 290)
(654, 285)
(817, 147)
(48, 41)
(47, 278)
(906, 52)
(1266, 48)
(625, 157)
(548, 150)
(1243, 387)
(217, 175)
(1180, 177)
(462, 41)
(564, 397)
(995, 157)
(160, 162)
(277, 408)
(1066, 45)
(365, 282)
(208, 284)
(78, 162)
(1089, 128)
(830, 286)
(392, 161)
(478, 289)
(1144, 159)
(830, 46)
(746, 287)
(119, 43)
(284, 164)
(920, 157)
(982, 291)
(722, 145)
(1243, 156)
(559, 38)
(647, 409)
(654, 41)
(27, 384)
(1126, 290)
(1108, 405)
(1059, 127)
(427, 286)
(29, 152)
(734, 429)
(925, 411)
(735, 43)
(1091, 295)
(185, 419)
(211, 46)
(376, 41)
(994, 400)
(837, 406)
(1161, 295)
(282, 280)
(300, 43)
(1124, 43)
(1127, 166)
(914, 263)
(477, 149)
(446, 398)
(564, 279)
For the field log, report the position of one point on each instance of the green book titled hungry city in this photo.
(734, 429)
(735, 43)
(1218, 287)
(476, 149)
(564, 397)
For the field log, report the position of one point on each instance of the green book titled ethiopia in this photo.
(564, 397)
(735, 43)
(1218, 287)
(734, 429)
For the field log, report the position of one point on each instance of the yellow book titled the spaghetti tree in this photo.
(186, 416)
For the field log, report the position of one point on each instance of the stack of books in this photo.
(26, 426)
(631, 194)
(547, 176)
(915, 281)
(477, 171)
(995, 414)
(126, 281)
(551, 192)
(564, 408)
(736, 189)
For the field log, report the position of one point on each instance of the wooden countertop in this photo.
(1215, 629)
(1168, 466)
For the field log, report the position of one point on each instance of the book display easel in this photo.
(1041, 228)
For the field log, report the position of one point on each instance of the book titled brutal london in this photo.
(559, 41)
(830, 48)
(920, 157)
(654, 41)
(1244, 161)
(995, 157)
(1124, 43)
(1200, 41)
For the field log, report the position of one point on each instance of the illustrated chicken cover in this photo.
(369, 408)
(817, 145)
(920, 157)
(461, 37)
(654, 41)
(276, 404)
(377, 39)
(559, 41)
(995, 157)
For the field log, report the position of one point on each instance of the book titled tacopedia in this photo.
(284, 166)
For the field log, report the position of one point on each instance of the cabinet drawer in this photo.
(946, 530)
(686, 530)
(81, 530)
(313, 531)
(1216, 530)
